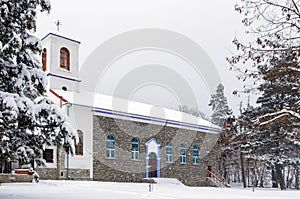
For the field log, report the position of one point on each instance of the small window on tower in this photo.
(48, 155)
(44, 59)
(64, 58)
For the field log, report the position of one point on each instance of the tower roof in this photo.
(56, 35)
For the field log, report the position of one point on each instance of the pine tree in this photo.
(279, 127)
(220, 108)
(193, 111)
(270, 137)
(272, 127)
(28, 121)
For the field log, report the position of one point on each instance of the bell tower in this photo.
(60, 59)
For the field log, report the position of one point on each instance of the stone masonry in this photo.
(123, 169)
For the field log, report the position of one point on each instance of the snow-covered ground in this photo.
(164, 189)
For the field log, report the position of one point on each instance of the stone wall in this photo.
(79, 174)
(123, 169)
(8, 178)
(75, 174)
(47, 173)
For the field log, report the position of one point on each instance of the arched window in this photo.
(135, 149)
(44, 59)
(110, 146)
(169, 152)
(64, 58)
(182, 154)
(195, 154)
(79, 145)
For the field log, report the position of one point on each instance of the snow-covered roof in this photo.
(120, 108)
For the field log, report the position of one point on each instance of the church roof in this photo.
(121, 108)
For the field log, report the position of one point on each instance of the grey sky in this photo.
(212, 24)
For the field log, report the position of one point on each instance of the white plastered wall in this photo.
(81, 119)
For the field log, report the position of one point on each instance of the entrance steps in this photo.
(215, 180)
(167, 181)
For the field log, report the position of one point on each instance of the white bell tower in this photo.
(60, 59)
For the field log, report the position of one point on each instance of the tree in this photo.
(274, 57)
(280, 130)
(222, 116)
(274, 27)
(28, 121)
(220, 108)
(193, 111)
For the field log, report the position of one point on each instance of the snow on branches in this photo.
(277, 115)
(28, 121)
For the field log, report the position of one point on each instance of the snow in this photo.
(34, 41)
(105, 102)
(164, 189)
(47, 2)
(278, 114)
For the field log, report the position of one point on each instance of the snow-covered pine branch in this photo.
(28, 122)
(281, 113)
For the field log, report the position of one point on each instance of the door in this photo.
(209, 171)
(152, 165)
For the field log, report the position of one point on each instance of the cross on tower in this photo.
(58, 23)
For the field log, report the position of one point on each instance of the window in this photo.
(135, 149)
(169, 152)
(182, 154)
(44, 59)
(195, 154)
(48, 155)
(110, 146)
(79, 145)
(64, 58)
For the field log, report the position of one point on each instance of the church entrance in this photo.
(152, 159)
(152, 165)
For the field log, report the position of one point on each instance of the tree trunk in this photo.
(274, 179)
(261, 175)
(288, 177)
(254, 177)
(297, 187)
(243, 170)
(280, 176)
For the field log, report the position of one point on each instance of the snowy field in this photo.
(165, 189)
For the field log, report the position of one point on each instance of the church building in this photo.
(121, 140)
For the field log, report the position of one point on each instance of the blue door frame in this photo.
(158, 157)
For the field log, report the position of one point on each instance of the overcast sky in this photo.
(212, 24)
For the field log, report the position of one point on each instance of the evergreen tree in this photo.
(193, 111)
(219, 105)
(278, 135)
(28, 121)
(272, 128)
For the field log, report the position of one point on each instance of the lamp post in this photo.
(68, 161)
(68, 178)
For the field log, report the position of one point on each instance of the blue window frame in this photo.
(135, 149)
(169, 152)
(110, 146)
(195, 154)
(182, 154)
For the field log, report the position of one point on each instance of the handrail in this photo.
(216, 178)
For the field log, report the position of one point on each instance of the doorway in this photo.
(152, 165)
(152, 159)
(209, 171)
